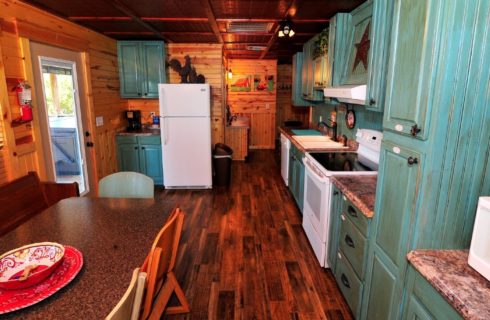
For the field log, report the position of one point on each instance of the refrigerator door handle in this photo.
(164, 130)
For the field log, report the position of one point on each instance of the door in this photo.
(128, 157)
(151, 162)
(128, 60)
(153, 59)
(185, 100)
(186, 152)
(63, 114)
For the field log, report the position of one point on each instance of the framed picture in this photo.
(350, 119)
(242, 83)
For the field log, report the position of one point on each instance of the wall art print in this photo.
(241, 83)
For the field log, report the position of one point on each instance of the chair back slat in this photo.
(162, 257)
(128, 308)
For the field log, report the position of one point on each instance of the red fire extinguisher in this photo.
(24, 97)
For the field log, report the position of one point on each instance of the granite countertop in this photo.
(141, 133)
(114, 236)
(361, 190)
(449, 273)
(289, 134)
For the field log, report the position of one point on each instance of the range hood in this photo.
(355, 94)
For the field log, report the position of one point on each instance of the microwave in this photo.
(479, 256)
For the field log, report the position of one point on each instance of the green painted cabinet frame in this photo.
(308, 91)
(429, 182)
(141, 154)
(296, 177)
(296, 94)
(141, 68)
(422, 301)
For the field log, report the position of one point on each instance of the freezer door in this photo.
(184, 100)
(186, 152)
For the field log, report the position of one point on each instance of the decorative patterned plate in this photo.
(17, 299)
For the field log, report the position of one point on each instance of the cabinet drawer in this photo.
(126, 139)
(350, 286)
(149, 140)
(355, 215)
(353, 245)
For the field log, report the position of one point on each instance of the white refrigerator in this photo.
(186, 135)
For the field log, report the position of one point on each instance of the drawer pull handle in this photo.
(349, 241)
(345, 281)
(342, 217)
(339, 255)
(335, 193)
(352, 212)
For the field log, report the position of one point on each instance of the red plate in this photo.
(17, 299)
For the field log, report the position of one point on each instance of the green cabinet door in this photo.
(296, 94)
(300, 181)
(151, 162)
(296, 177)
(307, 86)
(153, 65)
(128, 157)
(141, 68)
(334, 228)
(400, 171)
(423, 301)
(412, 67)
(356, 69)
(128, 55)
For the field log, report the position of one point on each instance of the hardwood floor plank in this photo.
(243, 252)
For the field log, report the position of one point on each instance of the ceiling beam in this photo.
(128, 11)
(124, 18)
(290, 12)
(212, 20)
(271, 20)
(185, 33)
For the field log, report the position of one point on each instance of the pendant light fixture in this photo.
(285, 29)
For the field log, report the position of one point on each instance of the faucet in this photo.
(331, 125)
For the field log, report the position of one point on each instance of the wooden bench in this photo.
(24, 197)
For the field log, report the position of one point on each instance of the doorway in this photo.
(57, 74)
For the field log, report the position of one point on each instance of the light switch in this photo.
(99, 121)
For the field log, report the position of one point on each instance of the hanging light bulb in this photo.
(285, 29)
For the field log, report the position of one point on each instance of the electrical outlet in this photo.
(267, 106)
(99, 121)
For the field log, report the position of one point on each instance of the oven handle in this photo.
(314, 172)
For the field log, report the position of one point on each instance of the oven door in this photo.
(316, 210)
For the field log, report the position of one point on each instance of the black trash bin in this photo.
(222, 164)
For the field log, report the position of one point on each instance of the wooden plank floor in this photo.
(243, 253)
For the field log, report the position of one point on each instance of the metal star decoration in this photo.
(363, 49)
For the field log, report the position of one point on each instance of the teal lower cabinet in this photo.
(349, 231)
(296, 175)
(422, 301)
(141, 154)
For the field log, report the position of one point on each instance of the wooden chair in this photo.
(126, 184)
(129, 307)
(24, 197)
(159, 264)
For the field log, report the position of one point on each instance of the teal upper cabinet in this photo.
(412, 67)
(141, 68)
(359, 45)
(296, 94)
(307, 80)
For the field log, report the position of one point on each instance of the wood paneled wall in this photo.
(19, 21)
(207, 59)
(259, 106)
(286, 111)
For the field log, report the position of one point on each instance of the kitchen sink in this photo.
(322, 145)
(306, 132)
(311, 138)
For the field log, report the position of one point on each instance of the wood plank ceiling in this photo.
(206, 21)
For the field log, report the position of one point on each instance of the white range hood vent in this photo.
(355, 94)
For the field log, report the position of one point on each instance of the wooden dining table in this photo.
(114, 236)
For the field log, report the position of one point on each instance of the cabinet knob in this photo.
(335, 193)
(146, 93)
(351, 211)
(411, 161)
(414, 130)
(135, 148)
(139, 93)
(372, 102)
(89, 144)
(344, 280)
(142, 148)
(348, 240)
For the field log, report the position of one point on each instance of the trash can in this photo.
(222, 164)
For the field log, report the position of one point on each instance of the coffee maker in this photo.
(134, 120)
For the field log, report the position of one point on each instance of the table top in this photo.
(114, 236)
